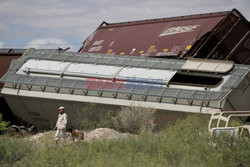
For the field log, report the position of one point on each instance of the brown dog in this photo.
(76, 135)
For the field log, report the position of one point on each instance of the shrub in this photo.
(13, 150)
(135, 119)
(187, 143)
(3, 125)
(95, 116)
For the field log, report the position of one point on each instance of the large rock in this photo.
(104, 134)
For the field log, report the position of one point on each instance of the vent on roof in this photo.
(196, 80)
(207, 65)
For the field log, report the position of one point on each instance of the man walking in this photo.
(61, 125)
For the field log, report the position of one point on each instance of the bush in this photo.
(95, 116)
(13, 150)
(188, 143)
(135, 119)
(3, 125)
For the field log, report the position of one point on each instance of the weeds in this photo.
(127, 119)
(188, 143)
(135, 119)
(13, 150)
(96, 117)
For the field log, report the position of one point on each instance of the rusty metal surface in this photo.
(211, 35)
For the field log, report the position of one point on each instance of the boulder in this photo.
(104, 134)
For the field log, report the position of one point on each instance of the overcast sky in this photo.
(53, 23)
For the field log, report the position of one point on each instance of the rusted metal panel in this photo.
(211, 35)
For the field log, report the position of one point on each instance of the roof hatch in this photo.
(208, 65)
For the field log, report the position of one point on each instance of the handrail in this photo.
(219, 117)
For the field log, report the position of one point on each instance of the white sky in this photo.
(53, 23)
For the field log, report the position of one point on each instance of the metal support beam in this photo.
(223, 38)
(237, 46)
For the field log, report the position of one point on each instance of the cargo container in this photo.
(221, 35)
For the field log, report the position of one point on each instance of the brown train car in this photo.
(6, 56)
(220, 35)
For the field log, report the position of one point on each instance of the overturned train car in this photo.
(6, 56)
(221, 36)
(42, 80)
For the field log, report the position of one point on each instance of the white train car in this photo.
(42, 80)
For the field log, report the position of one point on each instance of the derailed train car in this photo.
(42, 80)
(221, 36)
(6, 56)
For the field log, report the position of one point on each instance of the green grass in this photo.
(187, 143)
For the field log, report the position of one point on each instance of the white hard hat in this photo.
(61, 108)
